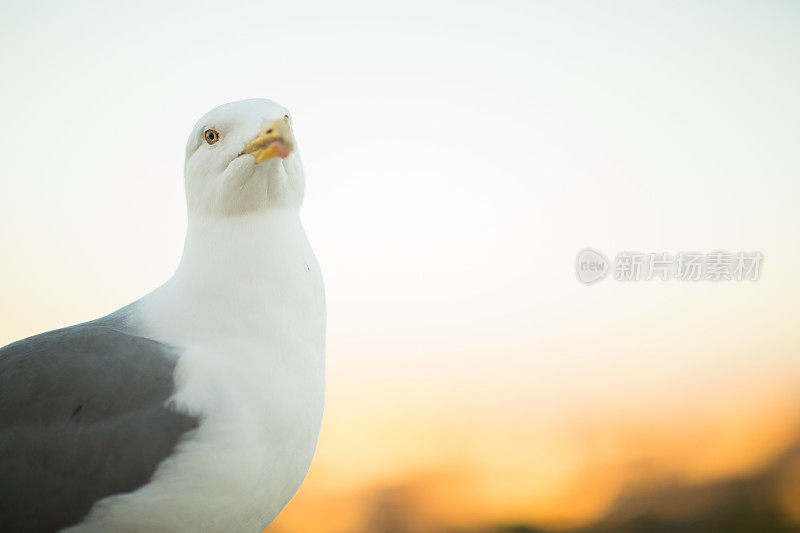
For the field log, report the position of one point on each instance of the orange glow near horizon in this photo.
(446, 477)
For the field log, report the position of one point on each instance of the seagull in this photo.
(197, 407)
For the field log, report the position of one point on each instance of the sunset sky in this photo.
(458, 156)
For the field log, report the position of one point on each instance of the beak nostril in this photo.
(269, 131)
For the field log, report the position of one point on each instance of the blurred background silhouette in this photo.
(459, 155)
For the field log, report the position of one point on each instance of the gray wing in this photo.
(82, 416)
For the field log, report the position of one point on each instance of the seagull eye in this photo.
(211, 136)
(287, 119)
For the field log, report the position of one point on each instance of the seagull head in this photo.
(241, 157)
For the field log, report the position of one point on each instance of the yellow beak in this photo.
(275, 140)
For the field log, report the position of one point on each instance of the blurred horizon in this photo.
(458, 156)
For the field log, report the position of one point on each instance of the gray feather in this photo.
(82, 417)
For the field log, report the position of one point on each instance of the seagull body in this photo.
(197, 407)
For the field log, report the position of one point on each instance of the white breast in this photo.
(246, 308)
